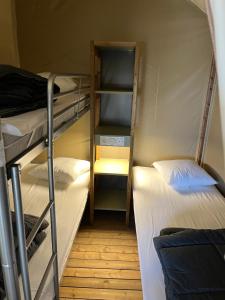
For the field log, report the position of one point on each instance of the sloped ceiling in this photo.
(200, 4)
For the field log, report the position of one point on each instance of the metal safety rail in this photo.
(7, 249)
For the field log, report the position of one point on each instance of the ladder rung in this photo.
(37, 225)
(44, 278)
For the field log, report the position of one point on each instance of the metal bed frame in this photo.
(12, 170)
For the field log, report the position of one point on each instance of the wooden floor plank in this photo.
(104, 256)
(102, 273)
(105, 294)
(62, 298)
(100, 283)
(72, 298)
(102, 234)
(104, 249)
(102, 264)
(106, 242)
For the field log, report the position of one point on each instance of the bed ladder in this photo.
(23, 243)
(7, 249)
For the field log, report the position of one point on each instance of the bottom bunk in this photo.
(156, 206)
(70, 204)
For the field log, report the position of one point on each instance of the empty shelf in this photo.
(112, 130)
(110, 200)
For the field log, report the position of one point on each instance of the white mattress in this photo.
(34, 124)
(23, 124)
(156, 206)
(70, 204)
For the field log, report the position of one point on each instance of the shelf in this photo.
(119, 45)
(112, 130)
(115, 91)
(112, 166)
(114, 69)
(107, 199)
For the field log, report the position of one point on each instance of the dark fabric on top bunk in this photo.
(193, 263)
(21, 91)
(29, 222)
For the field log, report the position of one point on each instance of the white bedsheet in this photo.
(24, 123)
(156, 206)
(70, 204)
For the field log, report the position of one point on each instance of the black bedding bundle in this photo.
(29, 222)
(193, 263)
(21, 91)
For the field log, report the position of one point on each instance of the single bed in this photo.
(22, 131)
(70, 205)
(156, 206)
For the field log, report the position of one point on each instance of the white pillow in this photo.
(66, 170)
(183, 173)
(65, 84)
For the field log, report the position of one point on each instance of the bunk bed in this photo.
(70, 202)
(22, 138)
(157, 206)
(22, 132)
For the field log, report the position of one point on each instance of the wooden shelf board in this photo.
(112, 44)
(112, 166)
(112, 130)
(115, 91)
(110, 199)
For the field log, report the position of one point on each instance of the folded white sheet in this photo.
(23, 124)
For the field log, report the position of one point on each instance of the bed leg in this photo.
(7, 249)
(18, 206)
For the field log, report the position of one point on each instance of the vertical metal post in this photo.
(51, 183)
(20, 231)
(7, 249)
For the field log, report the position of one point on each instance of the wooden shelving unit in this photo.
(115, 68)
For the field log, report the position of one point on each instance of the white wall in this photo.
(55, 36)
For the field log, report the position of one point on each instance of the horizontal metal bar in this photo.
(69, 123)
(38, 225)
(72, 75)
(30, 153)
(84, 90)
(82, 98)
(44, 278)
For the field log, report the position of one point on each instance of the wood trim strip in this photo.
(209, 99)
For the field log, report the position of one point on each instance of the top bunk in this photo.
(23, 129)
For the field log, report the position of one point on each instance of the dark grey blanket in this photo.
(21, 91)
(193, 263)
(29, 222)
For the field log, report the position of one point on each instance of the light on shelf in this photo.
(112, 166)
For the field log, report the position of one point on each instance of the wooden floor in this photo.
(103, 263)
